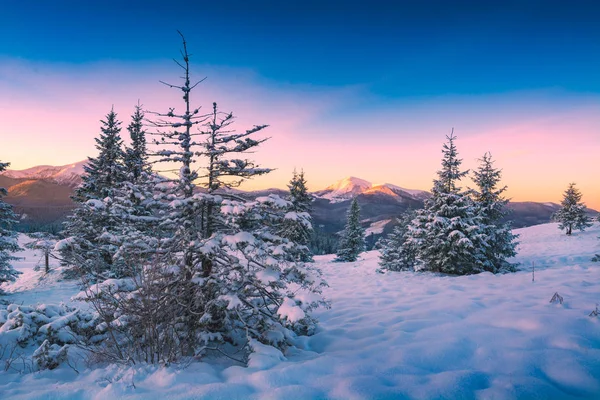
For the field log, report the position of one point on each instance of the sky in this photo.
(365, 89)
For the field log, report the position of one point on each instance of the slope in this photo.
(399, 335)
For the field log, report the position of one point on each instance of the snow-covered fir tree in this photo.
(492, 207)
(222, 272)
(352, 241)
(572, 213)
(8, 237)
(396, 253)
(88, 248)
(103, 172)
(447, 233)
(132, 207)
(297, 230)
(136, 155)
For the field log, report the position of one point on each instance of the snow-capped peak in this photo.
(351, 186)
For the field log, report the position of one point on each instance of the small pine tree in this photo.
(297, 224)
(492, 209)
(352, 242)
(447, 233)
(572, 213)
(8, 237)
(396, 253)
(45, 242)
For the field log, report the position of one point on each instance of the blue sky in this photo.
(397, 49)
(346, 81)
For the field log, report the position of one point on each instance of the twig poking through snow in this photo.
(556, 298)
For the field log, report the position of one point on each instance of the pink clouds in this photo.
(49, 115)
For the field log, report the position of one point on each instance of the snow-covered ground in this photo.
(392, 335)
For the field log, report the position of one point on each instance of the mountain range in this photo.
(41, 195)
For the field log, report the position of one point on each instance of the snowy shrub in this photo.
(50, 328)
(49, 356)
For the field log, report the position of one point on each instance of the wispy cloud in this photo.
(49, 114)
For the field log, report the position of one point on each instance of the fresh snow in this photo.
(392, 335)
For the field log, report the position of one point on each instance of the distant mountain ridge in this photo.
(69, 175)
(42, 195)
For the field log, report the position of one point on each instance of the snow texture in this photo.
(391, 336)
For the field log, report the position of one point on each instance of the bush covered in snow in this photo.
(50, 328)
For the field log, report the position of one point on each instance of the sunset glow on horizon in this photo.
(383, 121)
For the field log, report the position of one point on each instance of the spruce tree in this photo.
(8, 237)
(135, 229)
(492, 208)
(297, 226)
(103, 172)
(91, 246)
(136, 155)
(396, 253)
(447, 234)
(572, 213)
(352, 242)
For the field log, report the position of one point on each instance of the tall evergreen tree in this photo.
(572, 212)
(396, 253)
(135, 230)
(492, 208)
(90, 248)
(299, 196)
(295, 227)
(136, 155)
(447, 233)
(352, 242)
(103, 172)
(8, 237)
